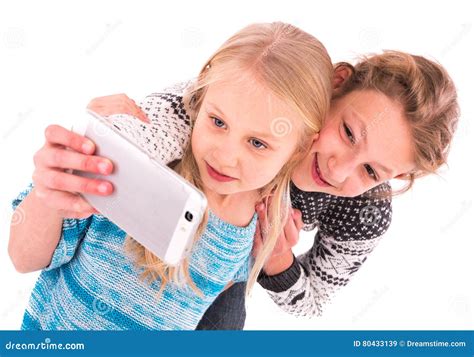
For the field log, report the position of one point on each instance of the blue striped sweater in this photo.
(92, 284)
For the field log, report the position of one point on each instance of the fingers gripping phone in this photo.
(151, 202)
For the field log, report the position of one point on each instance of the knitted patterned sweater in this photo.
(348, 228)
(92, 284)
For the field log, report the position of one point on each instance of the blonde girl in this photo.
(256, 104)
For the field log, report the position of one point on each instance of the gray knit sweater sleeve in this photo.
(166, 136)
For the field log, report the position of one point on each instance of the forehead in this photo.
(251, 104)
(384, 135)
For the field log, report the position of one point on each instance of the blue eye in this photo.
(371, 172)
(349, 134)
(257, 144)
(217, 122)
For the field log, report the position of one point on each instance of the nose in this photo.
(341, 167)
(227, 154)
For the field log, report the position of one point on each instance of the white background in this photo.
(55, 56)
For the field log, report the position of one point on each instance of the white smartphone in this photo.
(151, 202)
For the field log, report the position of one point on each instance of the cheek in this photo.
(201, 125)
(195, 142)
(355, 187)
(199, 132)
(260, 172)
(329, 139)
(301, 176)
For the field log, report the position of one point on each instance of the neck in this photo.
(237, 208)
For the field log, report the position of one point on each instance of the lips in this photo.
(316, 172)
(216, 175)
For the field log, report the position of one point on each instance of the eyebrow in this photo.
(386, 170)
(254, 133)
(363, 131)
(216, 108)
(364, 134)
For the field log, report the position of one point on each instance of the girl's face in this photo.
(365, 141)
(243, 136)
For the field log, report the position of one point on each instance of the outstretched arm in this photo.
(159, 124)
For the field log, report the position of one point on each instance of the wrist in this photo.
(278, 264)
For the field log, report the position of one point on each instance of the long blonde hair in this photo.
(294, 66)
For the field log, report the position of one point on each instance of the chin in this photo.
(224, 192)
(220, 189)
(306, 184)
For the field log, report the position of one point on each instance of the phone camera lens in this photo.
(189, 216)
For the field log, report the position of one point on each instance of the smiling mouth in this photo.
(317, 176)
(216, 175)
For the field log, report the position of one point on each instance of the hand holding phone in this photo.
(151, 202)
(54, 183)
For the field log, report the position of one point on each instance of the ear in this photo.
(314, 140)
(401, 177)
(405, 176)
(341, 73)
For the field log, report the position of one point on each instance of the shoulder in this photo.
(168, 102)
(366, 216)
(363, 217)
